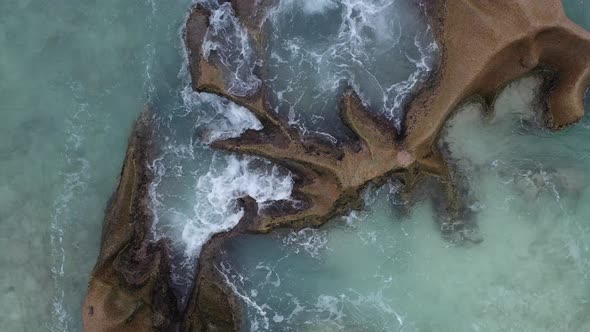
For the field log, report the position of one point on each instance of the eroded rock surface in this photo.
(329, 178)
(487, 44)
(484, 45)
(129, 286)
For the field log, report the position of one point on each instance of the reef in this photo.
(484, 46)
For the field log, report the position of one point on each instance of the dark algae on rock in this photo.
(484, 46)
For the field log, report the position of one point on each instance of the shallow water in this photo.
(76, 74)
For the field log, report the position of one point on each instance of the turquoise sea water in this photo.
(75, 74)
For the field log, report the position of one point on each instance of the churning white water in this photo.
(230, 41)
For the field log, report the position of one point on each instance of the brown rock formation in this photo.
(213, 306)
(329, 178)
(485, 44)
(128, 288)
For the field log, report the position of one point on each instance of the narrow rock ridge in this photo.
(129, 286)
(213, 305)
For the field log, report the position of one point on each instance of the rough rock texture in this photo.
(329, 177)
(213, 306)
(485, 45)
(128, 288)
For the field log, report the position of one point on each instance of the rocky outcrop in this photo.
(213, 306)
(484, 45)
(329, 178)
(128, 288)
(487, 44)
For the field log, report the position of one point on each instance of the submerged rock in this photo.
(532, 183)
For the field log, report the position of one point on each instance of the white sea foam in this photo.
(398, 93)
(311, 241)
(236, 281)
(209, 4)
(369, 38)
(215, 207)
(312, 6)
(214, 200)
(332, 307)
(362, 18)
(229, 40)
(217, 192)
(226, 119)
(215, 197)
(213, 204)
(209, 203)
